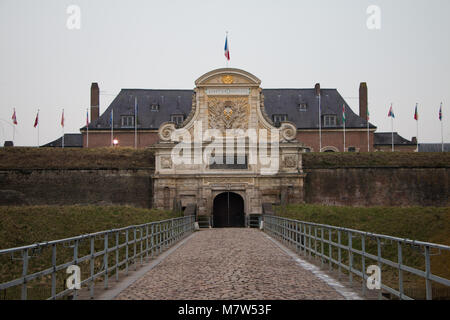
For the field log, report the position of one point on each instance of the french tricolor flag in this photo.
(227, 49)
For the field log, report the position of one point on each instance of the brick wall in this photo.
(126, 139)
(335, 139)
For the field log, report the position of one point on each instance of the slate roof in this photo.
(71, 140)
(276, 101)
(286, 101)
(433, 147)
(385, 138)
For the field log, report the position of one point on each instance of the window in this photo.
(235, 162)
(329, 121)
(302, 106)
(177, 118)
(154, 107)
(351, 149)
(278, 118)
(127, 121)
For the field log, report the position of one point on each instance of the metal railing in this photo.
(99, 255)
(253, 220)
(341, 247)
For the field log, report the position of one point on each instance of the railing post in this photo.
(427, 273)
(54, 270)
(140, 245)
(309, 240)
(400, 272)
(363, 263)
(171, 232)
(379, 265)
(134, 249)
(329, 250)
(75, 261)
(159, 237)
(126, 251)
(117, 255)
(350, 257)
(24, 273)
(339, 254)
(315, 241)
(92, 282)
(105, 260)
(146, 243)
(151, 239)
(321, 245)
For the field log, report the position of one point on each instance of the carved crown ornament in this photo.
(227, 79)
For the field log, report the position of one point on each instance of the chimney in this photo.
(317, 89)
(363, 100)
(95, 101)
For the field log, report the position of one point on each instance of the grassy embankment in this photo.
(427, 224)
(376, 159)
(31, 224)
(122, 157)
(75, 158)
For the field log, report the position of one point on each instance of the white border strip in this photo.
(344, 291)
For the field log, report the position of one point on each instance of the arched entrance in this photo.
(228, 210)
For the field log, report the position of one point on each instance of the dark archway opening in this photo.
(228, 210)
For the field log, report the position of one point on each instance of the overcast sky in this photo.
(169, 44)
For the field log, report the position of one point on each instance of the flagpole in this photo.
(112, 127)
(135, 122)
(228, 48)
(14, 125)
(417, 129)
(38, 129)
(87, 127)
(442, 129)
(392, 132)
(62, 122)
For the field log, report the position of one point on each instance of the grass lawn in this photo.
(428, 224)
(24, 225)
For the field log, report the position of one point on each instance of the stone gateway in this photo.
(231, 157)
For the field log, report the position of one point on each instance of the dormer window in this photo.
(127, 121)
(278, 118)
(177, 118)
(154, 107)
(329, 120)
(303, 106)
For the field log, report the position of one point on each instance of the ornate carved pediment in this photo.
(229, 77)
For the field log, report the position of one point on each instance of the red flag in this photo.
(14, 119)
(62, 119)
(36, 121)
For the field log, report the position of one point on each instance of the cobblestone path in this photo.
(229, 264)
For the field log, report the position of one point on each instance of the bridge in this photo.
(272, 259)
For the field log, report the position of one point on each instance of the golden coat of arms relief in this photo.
(228, 113)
